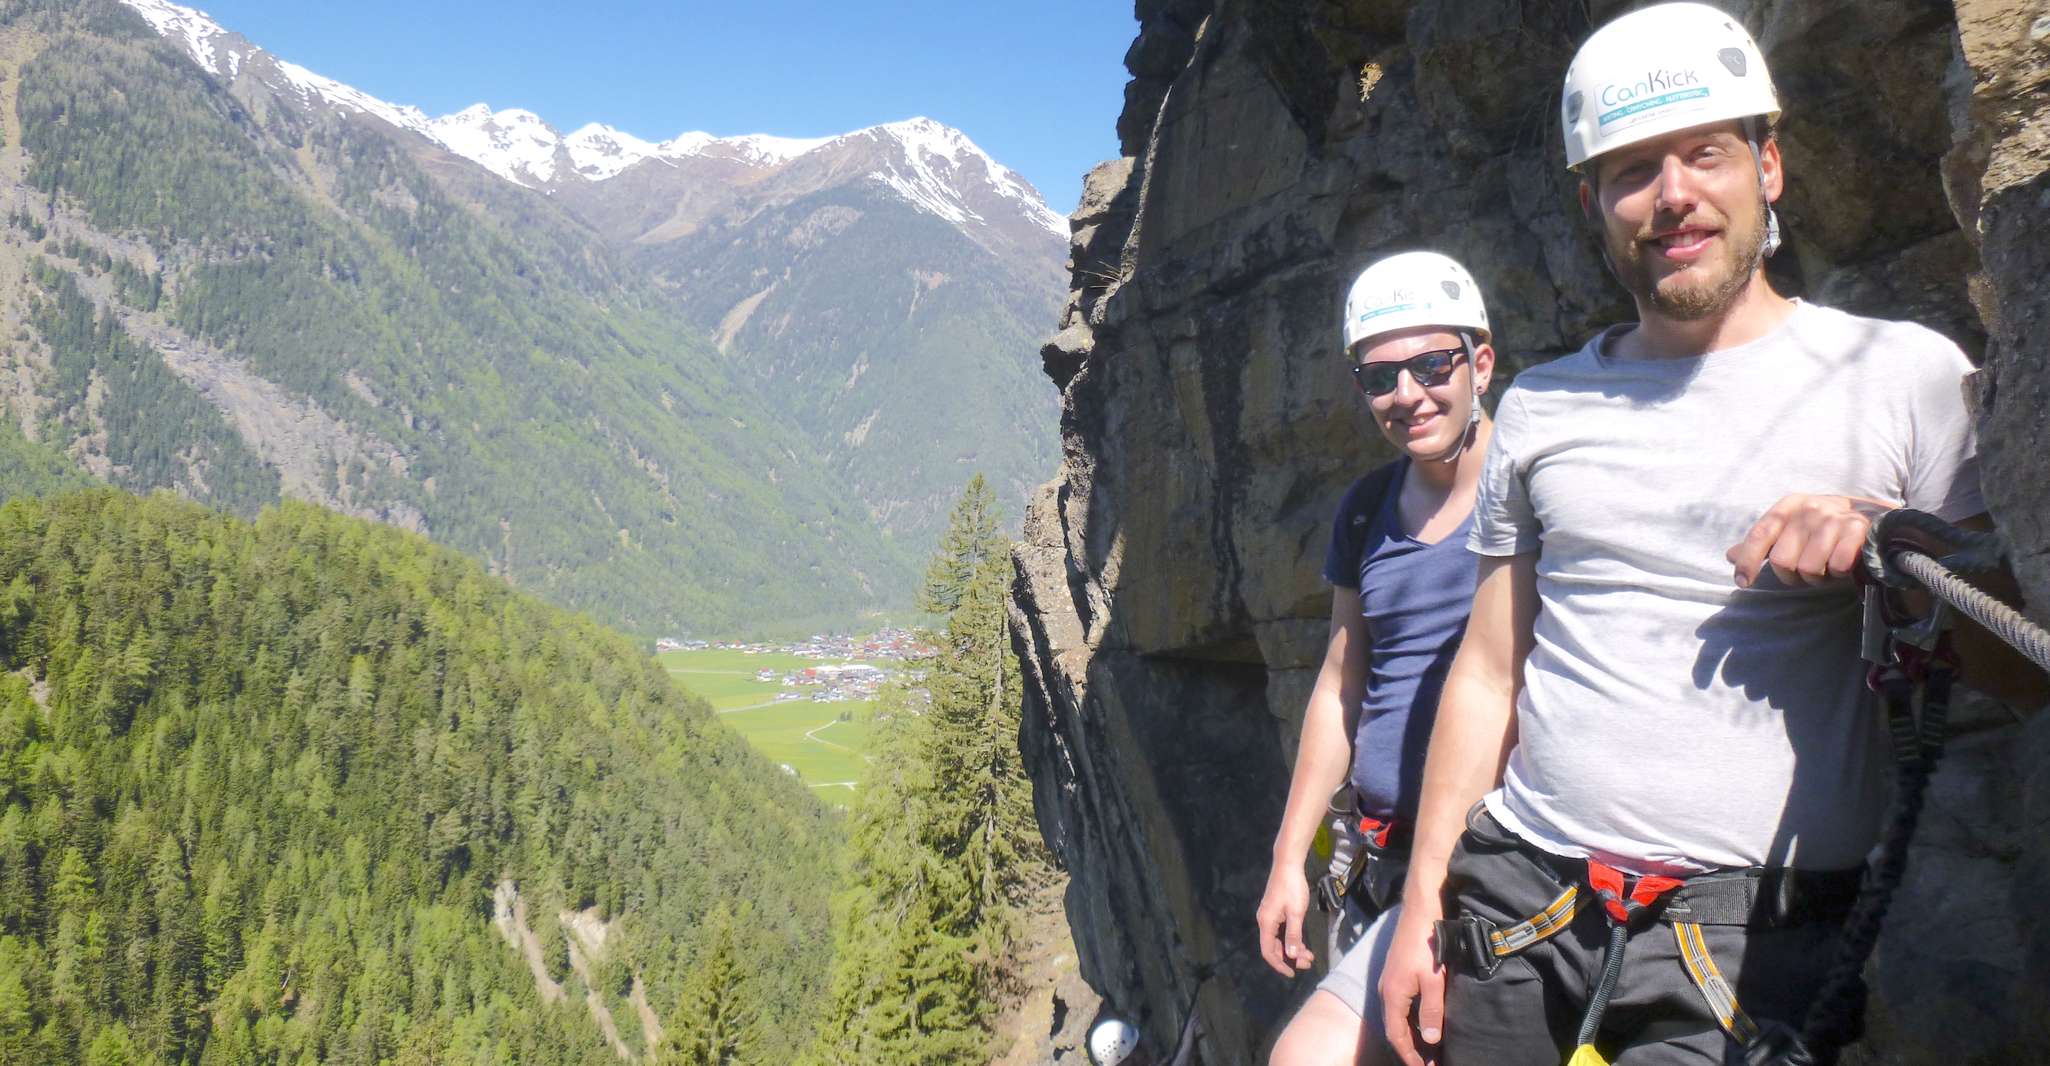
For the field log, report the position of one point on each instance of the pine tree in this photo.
(717, 1021)
(942, 838)
(221, 925)
(112, 1047)
(973, 745)
(972, 536)
(17, 1023)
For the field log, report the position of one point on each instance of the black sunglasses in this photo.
(1429, 368)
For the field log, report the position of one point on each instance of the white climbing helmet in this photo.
(1112, 1041)
(1658, 69)
(1412, 289)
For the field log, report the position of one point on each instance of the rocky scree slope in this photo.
(1170, 608)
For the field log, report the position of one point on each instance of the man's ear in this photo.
(1483, 366)
(1769, 164)
(1586, 200)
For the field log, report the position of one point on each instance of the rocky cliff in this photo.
(1170, 608)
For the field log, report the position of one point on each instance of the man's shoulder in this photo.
(1893, 343)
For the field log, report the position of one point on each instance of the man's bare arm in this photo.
(1470, 743)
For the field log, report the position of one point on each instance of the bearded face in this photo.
(1683, 219)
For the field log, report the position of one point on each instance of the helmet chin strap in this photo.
(1473, 405)
(1772, 218)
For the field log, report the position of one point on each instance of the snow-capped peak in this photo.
(514, 144)
(599, 151)
(933, 166)
(940, 159)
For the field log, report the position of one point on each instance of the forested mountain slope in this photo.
(216, 290)
(263, 787)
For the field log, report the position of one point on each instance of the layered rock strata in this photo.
(1170, 609)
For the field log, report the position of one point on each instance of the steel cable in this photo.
(1994, 616)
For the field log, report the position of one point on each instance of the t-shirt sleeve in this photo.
(1943, 451)
(1503, 521)
(1342, 559)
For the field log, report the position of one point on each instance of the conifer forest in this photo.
(312, 789)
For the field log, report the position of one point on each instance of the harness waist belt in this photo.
(1758, 898)
(1763, 897)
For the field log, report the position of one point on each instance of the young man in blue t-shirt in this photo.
(1402, 581)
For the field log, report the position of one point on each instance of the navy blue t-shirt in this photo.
(1415, 598)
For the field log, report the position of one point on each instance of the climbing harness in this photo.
(1367, 854)
(1757, 898)
(1912, 667)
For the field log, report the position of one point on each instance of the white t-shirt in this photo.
(1670, 721)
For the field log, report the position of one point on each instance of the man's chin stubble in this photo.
(1692, 303)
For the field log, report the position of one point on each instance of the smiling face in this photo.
(1683, 217)
(1426, 419)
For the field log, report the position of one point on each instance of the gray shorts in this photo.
(1359, 941)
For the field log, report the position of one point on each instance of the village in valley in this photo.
(846, 668)
(775, 693)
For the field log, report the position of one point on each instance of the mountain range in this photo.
(687, 385)
(842, 230)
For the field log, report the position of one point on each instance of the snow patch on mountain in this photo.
(194, 28)
(309, 86)
(762, 149)
(600, 152)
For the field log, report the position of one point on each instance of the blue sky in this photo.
(1037, 85)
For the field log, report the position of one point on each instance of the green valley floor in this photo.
(823, 743)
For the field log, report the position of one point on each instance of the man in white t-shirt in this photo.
(1660, 686)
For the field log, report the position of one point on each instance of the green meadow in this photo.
(823, 742)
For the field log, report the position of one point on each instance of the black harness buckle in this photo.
(1330, 894)
(1465, 944)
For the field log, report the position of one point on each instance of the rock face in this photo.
(1169, 607)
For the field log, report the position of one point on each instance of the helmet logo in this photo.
(1451, 288)
(1573, 105)
(1653, 92)
(1733, 60)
